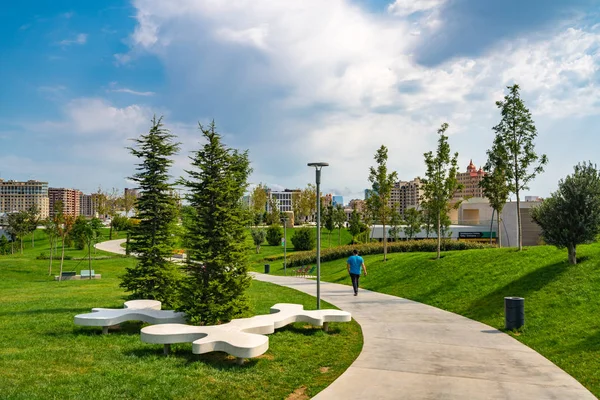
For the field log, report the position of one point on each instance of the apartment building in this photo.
(406, 194)
(470, 181)
(70, 199)
(282, 200)
(87, 205)
(19, 196)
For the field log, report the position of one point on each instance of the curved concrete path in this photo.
(112, 246)
(414, 351)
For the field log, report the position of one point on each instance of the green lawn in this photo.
(44, 355)
(257, 261)
(562, 302)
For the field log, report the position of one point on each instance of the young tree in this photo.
(382, 184)
(127, 202)
(395, 222)
(258, 236)
(496, 190)
(33, 219)
(258, 201)
(328, 220)
(355, 224)
(339, 220)
(79, 232)
(412, 221)
(513, 145)
(18, 226)
(215, 288)
(308, 201)
(440, 183)
(297, 206)
(51, 230)
(3, 245)
(64, 229)
(571, 216)
(154, 276)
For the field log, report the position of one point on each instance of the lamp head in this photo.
(318, 165)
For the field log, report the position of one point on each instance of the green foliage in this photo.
(274, 235)
(407, 246)
(440, 184)
(214, 289)
(258, 202)
(379, 197)
(495, 188)
(80, 231)
(339, 220)
(513, 149)
(258, 237)
(154, 276)
(4, 245)
(304, 239)
(18, 226)
(571, 216)
(328, 220)
(120, 223)
(355, 225)
(412, 222)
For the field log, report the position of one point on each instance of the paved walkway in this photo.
(414, 351)
(112, 246)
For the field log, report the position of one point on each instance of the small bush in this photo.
(258, 236)
(274, 235)
(304, 239)
(408, 246)
(44, 256)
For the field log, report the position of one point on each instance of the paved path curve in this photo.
(112, 246)
(415, 351)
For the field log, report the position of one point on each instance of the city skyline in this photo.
(332, 84)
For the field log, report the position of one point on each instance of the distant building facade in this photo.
(282, 200)
(134, 192)
(406, 194)
(470, 181)
(20, 196)
(70, 199)
(87, 205)
(338, 200)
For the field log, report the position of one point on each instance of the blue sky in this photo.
(293, 82)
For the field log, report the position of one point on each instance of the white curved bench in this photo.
(134, 310)
(242, 338)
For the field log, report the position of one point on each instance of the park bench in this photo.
(135, 310)
(241, 338)
(86, 273)
(301, 271)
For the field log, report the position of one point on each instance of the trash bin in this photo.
(267, 268)
(514, 312)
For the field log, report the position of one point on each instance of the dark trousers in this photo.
(355, 278)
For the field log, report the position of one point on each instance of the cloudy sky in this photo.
(293, 82)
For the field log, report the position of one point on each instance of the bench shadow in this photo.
(308, 330)
(124, 329)
(534, 281)
(217, 360)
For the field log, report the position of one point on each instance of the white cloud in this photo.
(131, 91)
(80, 39)
(407, 7)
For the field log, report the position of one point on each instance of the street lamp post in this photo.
(318, 166)
(284, 219)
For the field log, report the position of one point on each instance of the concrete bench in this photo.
(242, 338)
(134, 310)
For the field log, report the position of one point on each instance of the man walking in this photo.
(355, 264)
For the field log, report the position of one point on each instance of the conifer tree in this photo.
(154, 276)
(215, 288)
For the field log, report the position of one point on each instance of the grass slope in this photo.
(44, 355)
(562, 302)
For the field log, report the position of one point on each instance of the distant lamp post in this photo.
(284, 219)
(318, 166)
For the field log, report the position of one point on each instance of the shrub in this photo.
(274, 235)
(304, 239)
(408, 246)
(258, 236)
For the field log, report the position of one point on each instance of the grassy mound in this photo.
(44, 355)
(562, 302)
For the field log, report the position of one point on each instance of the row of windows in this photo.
(23, 190)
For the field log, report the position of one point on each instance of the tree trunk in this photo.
(492, 226)
(499, 232)
(110, 232)
(50, 266)
(439, 234)
(339, 236)
(384, 243)
(90, 258)
(62, 259)
(21, 245)
(572, 249)
(257, 248)
(32, 239)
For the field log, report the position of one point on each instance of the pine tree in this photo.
(513, 145)
(215, 288)
(154, 276)
(440, 184)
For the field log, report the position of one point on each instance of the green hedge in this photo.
(340, 252)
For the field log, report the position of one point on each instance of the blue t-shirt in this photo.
(356, 263)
